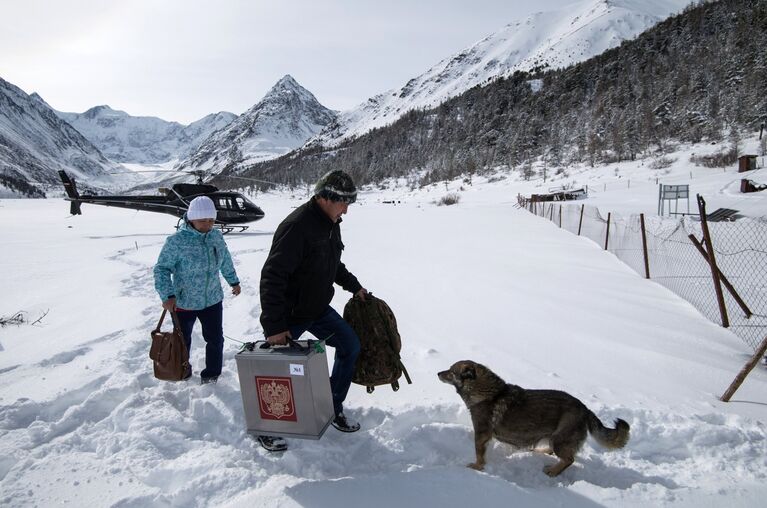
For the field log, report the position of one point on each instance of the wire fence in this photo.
(673, 253)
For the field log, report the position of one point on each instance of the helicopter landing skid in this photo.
(228, 228)
(225, 228)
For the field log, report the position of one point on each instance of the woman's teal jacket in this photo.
(188, 268)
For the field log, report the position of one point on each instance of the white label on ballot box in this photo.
(296, 369)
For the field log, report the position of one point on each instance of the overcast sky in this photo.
(182, 59)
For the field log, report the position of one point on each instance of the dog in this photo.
(526, 418)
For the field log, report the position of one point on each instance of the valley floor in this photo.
(83, 421)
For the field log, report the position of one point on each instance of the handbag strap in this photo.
(162, 318)
(177, 328)
(174, 316)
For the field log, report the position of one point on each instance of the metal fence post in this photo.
(607, 236)
(644, 248)
(580, 221)
(560, 216)
(712, 261)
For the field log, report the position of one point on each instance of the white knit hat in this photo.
(201, 207)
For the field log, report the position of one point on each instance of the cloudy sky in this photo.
(182, 59)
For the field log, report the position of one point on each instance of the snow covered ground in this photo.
(84, 423)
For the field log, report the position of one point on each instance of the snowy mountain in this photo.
(283, 120)
(143, 139)
(543, 40)
(35, 143)
(625, 103)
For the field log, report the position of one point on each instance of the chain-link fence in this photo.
(673, 253)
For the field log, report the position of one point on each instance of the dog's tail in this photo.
(610, 438)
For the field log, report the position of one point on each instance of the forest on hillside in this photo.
(700, 75)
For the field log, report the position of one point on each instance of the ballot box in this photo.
(285, 389)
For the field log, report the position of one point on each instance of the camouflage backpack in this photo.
(379, 362)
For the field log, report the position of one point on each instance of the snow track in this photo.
(83, 421)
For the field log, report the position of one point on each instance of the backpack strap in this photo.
(388, 344)
(404, 371)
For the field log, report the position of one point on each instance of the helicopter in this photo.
(233, 209)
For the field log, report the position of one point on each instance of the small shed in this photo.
(746, 163)
(747, 185)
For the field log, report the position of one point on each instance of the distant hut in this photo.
(746, 163)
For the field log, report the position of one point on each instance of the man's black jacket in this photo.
(304, 262)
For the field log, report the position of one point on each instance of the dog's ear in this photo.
(468, 373)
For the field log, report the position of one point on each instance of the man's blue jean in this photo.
(339, 335)
(212, 331)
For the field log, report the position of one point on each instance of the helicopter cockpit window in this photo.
(225, 204)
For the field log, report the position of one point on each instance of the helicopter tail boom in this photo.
(71, 190)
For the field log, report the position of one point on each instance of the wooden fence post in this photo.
(644, 248)
(712, 261)
(560, 216)
(607, 236)
(722, 277)
(580, 221)
(748, 367)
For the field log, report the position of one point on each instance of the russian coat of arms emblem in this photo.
(275, 397)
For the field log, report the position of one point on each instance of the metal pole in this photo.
(607, 236)
(560, 216)
(660, 199)
(644, 248)
(712, 262)
(580, 222)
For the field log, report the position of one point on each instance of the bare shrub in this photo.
(20, 318)
(16, 319)
(662, 162)
(449, 199)
(719, 159)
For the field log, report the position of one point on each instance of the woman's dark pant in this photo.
(338, 334)
(212, 331)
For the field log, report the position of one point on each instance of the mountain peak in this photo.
(543, 40)
(287, 80)
(102, 111)
(35, 143)
(286, 84)
(283, 120)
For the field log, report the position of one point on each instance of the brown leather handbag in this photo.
(169, 353)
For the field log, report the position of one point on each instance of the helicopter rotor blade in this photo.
(251, 179)
(198, 173)
(194, 172)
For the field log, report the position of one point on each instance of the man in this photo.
(297, 286)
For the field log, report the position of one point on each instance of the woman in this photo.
(186, 278)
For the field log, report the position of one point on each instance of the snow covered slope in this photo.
(35, 143)
(552, 39)
(84, 423)
(283, 120)
(143, 139)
